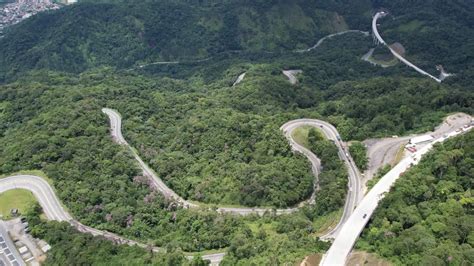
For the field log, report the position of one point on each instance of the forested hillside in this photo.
(433, 33)
(220, 144)
(427, 218)
(88, 35)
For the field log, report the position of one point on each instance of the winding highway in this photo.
(354, 193)
(53, 209)
(345, 240)
(397, 55)
(345, 233)
(366, 33)
(329, 131)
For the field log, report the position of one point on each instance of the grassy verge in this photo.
(300, 135)
(325, 223)
(20, 199)
(399, 155)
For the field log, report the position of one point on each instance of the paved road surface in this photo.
(329, 130)
(383, 151)
(351, 230)
(54, 211)
(397, 55)
(354, 192)
(41, 190)
(366, 33)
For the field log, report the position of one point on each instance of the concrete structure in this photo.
(421, 139)
(9, 255)
(378, 39)
(342, 246)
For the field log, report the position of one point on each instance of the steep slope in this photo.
(87, 35)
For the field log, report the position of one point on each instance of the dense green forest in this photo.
(126, 34)
(333, 178)
(70, 247)
(81, 36)
(221, 144)
(427, 218)
(358, 152)
(433, 32)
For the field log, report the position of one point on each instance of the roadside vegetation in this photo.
(333, 178)
(359, 154)
(427, 218)
(380, 173)
(218, 144)
(300, 135)
(199, 138)
(70, 247)
(19, 199)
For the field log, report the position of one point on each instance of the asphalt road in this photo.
(53, 210)
(41, 190)
(366, 33)
(345, 240)
(329, 131)
(383, 151)
(291, 75)
(239, 79)
(354, 191)
(397, 55)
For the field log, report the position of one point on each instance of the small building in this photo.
(421, 139)
(46, 248)
(23, 250)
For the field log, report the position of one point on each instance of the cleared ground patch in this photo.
(20, 199)
(364, 258)
(300, 135)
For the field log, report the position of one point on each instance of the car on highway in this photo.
(365, 215)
